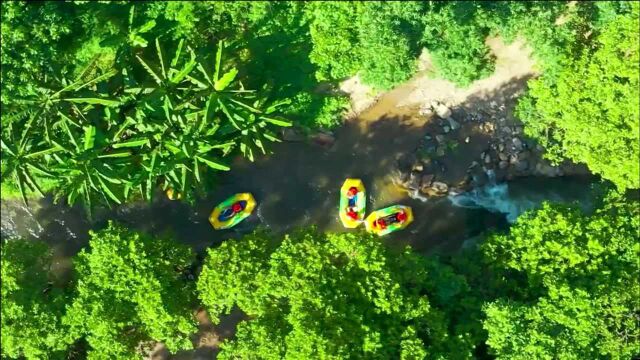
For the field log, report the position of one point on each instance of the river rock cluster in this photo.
(465, 148)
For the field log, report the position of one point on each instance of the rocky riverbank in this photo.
(463, 147)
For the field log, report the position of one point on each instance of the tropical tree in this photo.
(589, 112)
(106, 137)
(322, 296)
(32, 307)
(131, 288)
(578, 280)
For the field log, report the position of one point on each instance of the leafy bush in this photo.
(131, 288)
(317, 295)
(579, 280)
(589, 112)
(128, 130)
(31, 306)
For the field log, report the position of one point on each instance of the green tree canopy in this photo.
(31, 307)
(589, 112)
(131, 288)
(579, 284)
(324, 296)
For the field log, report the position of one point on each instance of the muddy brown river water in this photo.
(298, 186)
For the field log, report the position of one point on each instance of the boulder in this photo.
(522, 165)
(440, 187)
(503, 156)
(453, 124)
(459, 113)
(441, 150)
(445, 129)
(503, 164)
(418, 167)
(517, 143)
(487, 159)
(292, 135)
(440, 138)
(427, 179)
(442, 111)
(466, 140)
(323, 139)
(414, 181)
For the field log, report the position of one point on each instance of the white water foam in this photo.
(495, 198)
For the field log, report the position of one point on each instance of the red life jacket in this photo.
(236, 207)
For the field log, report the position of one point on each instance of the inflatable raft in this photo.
(353, 200)
(232, 211)
(388, 220)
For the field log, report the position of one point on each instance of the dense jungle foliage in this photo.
(105, 102)
(108, 101)
(561, 284)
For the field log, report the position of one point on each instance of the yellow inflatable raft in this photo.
(388, 220)
(357, 203)
(232, 211)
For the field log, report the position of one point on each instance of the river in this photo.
(298, 186)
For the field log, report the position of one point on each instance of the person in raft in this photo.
(399, 217)
(229, 212)
(352, 207)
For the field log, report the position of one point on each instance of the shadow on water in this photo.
(298, 186)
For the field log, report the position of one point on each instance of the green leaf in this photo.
(43, 152)
(147, 26)
(131, 143)
(184, 72)
(225, 80)
(160, 57)
(176, 56)
(279, 122)
(108, 191)
(213, 164)
(122, 154)
(94, 101)
(153, 74)
(196, 170)
(89, 137)
(218, 62)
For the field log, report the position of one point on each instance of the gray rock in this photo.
(445, 129)
(503, 164)
(466, 140)
(323, 138)
(522, 165)
(517, 143)
(453, 124)
(459, 113)
(440, 138)
(418, 167)
(487, 159)
(427, 179)
(442, 110)
(441, 150)
(503, 157)
(513, 158)
(501, 147)
(440, 187)
(414, 181)
(292, 135)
